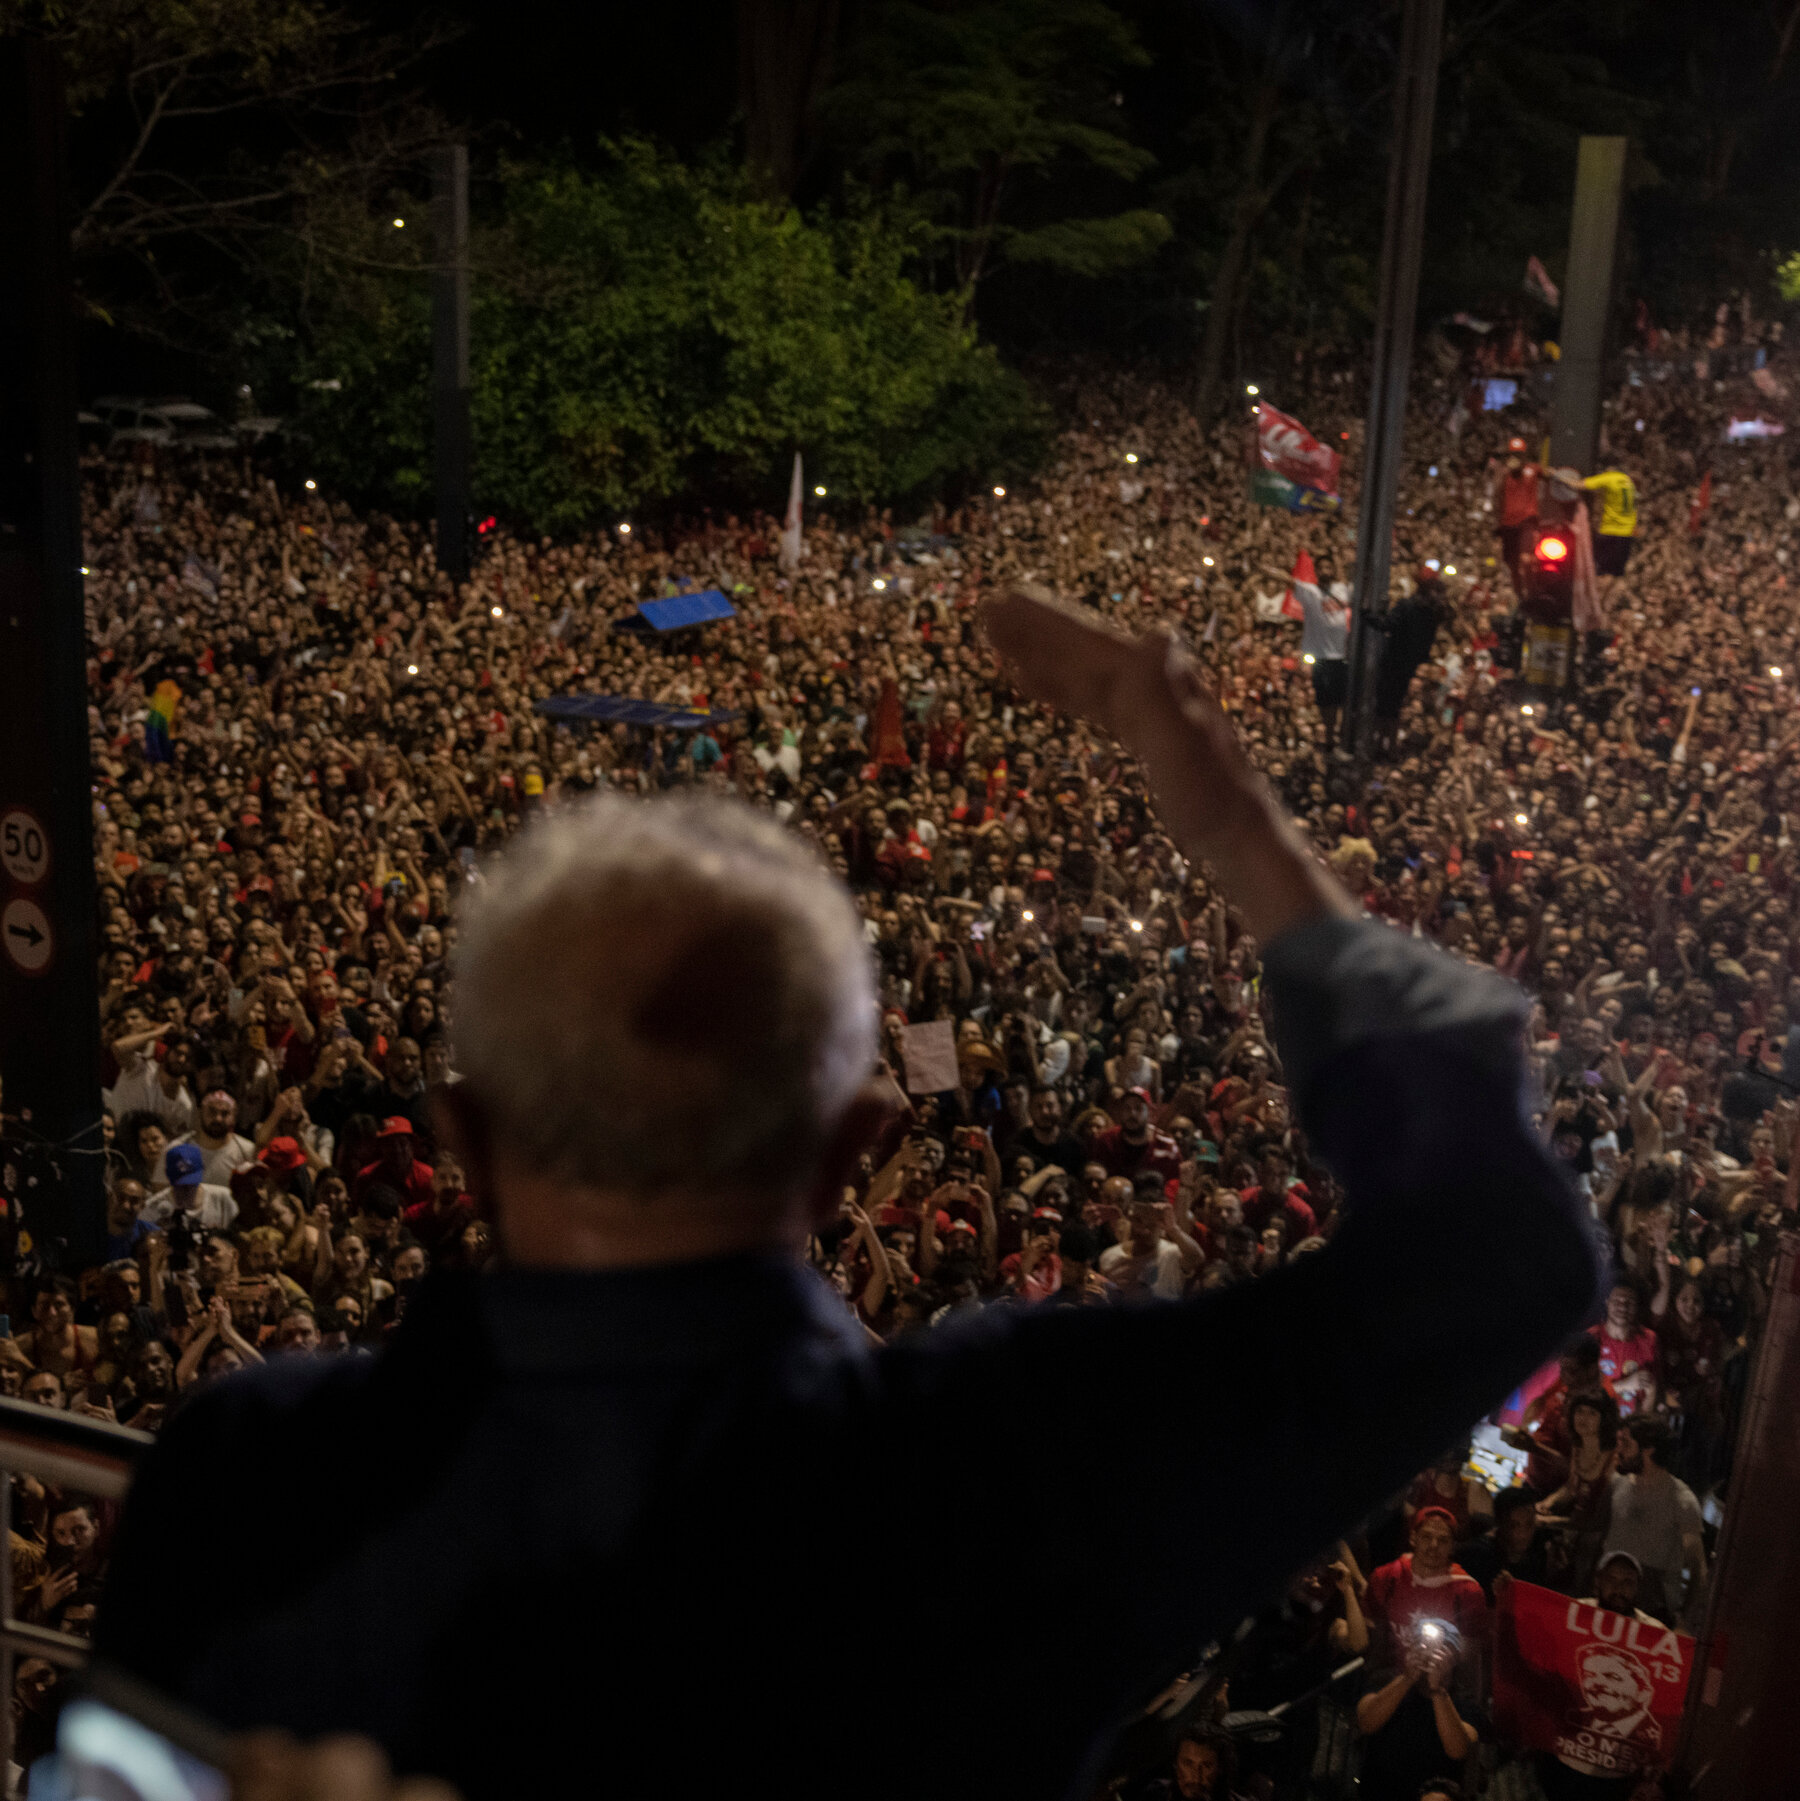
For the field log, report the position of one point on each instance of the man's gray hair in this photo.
(664, 994)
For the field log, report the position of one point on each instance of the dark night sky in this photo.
(560, 72)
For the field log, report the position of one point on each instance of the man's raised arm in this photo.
(1242, 1432)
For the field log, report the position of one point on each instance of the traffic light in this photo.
(1548, 567)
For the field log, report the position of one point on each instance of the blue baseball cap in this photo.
(183, 1165)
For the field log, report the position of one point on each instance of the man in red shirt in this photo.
(395, 1166)
(1035, 1273)
(439, 1221)
(1425, 1584)
(1278, 1200)
(1628, 1349)
(1134, 1144)
(1515, 499)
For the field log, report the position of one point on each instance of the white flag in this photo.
(791, 543)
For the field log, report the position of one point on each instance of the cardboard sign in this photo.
(929, 1053)
(1583, 1683)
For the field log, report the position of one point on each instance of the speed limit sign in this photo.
(24, 847)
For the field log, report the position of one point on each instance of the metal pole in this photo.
(49, 998)
(450, 354)
(1587, 302)
(1402, 237)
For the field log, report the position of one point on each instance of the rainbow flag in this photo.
(163, 705)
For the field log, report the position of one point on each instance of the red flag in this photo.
(1287, 447)
(1303, 571)
(890, 741)
(1571, 1678)
(1702, 501)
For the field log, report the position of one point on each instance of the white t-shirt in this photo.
(1168, 1281)
(139, 1090)
(224, 1163)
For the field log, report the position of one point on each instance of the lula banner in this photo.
(1285, 446)
(1595, 1687)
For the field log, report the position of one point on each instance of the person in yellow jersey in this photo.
(1614, 510)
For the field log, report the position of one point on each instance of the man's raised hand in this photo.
(1149, 694)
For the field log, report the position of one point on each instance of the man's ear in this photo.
(462, 1129)
(861, 1124)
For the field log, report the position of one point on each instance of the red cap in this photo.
(1046, 1213)
(1143, 1094)
(1517, 446)
(396, 1126)
(962, 1225)
(1441, 1513)
(282, 1155)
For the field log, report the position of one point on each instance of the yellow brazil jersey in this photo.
(1618, 503)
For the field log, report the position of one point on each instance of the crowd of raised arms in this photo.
(354, 736)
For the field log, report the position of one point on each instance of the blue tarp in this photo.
(621, 709)
(680, 609)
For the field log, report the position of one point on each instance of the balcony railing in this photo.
(80, 1456)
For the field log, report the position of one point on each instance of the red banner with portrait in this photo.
(1597, 1687)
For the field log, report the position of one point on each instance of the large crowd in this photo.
(1089, 1108)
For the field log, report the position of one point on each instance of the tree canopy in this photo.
(1198, 181)
(652, 327)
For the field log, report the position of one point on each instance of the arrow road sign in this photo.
(25, 933)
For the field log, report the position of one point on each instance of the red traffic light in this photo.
(1552, 549)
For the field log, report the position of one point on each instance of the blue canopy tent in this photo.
(677, 611)
(621, 709)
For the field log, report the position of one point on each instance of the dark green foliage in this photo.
(654, 328)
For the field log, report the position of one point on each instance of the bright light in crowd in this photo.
(624, 528)
(999, 493)
(1526, 711)
(1774, 668)
(1207, 561)
(1028, 916)
(1131, 456)
(498, 613)
(1252, 389)
(819, 489)
(1431, 563)
(84, 570)
(1137, 925)
(1520, 819)
(399, 224)
(412, 669)
(1432, 470)
(878, 585)
(310, 484)
(1449, 568)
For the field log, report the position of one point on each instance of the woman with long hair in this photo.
(1576, 1510)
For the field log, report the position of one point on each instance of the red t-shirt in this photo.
(1622, 1357)
(1118, 1156)
(1396, 1601)
(414, 1187)
(1297, 1217)
(1519, 498)
(1045, 1278)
